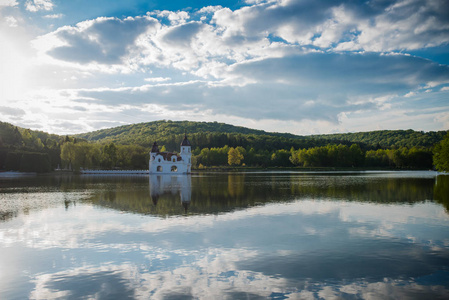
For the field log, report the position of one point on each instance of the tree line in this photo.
(36, 151)
(334, 156)
(76, 155)
(240, 190)
(28, 150)
(389, 138)
(214, 134)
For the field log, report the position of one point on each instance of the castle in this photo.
(167, 162)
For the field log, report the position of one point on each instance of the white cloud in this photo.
(239, 62)
(409, 94)
(443, 118)
(37, 5)
(248, 33)
(157, 79)
(175, 18)
(8, 3)
(15, 112)
(102, 44)
(370, 27)
(306, 92)
(406, 25)
(11, 21)
(54, 16)
(210, 9)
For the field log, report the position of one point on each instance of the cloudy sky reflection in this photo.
(306, 248)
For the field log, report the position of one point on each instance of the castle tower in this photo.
(186, 153)
(154, 151)
(169, 162)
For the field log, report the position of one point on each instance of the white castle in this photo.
(168, 162)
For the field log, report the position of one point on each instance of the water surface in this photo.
(262, 235)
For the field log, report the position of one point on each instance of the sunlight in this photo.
(13, 71)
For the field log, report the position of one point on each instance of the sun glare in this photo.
(14, 64)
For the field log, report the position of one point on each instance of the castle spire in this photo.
(185, 141)
(155, 148)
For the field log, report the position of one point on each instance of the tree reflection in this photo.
(220, 193)
(171, 186)
(161, 195)
(441, 191)
(215, 193)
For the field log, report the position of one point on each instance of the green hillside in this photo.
(213, 134)
(127, 147)
(157, 130)
(201, 134)
(28, 150)
(389, 138)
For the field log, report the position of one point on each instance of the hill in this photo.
(127, 147)
(389, 138)
(160, 129)
(214, 134)
(201, 134)
(28, 150)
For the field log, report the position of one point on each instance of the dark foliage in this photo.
(389, 138)
(127, 147)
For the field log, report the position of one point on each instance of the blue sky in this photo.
(296, 66)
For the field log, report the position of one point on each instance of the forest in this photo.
(216, 145)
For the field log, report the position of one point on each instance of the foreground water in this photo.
(273, 235)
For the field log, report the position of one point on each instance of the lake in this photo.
(275, 235)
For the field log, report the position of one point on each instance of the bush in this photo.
(28, 162)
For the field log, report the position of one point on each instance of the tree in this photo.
(110, 155)
(234, 156)
(357, 155)
(441, 155)
(68, 154)
(280, 158)
(35, 162)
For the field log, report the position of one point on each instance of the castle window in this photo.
(159, 168)
(174, 168)
(159, 160)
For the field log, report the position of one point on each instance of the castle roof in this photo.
(155, 148)
(168, 156)
(185, 141)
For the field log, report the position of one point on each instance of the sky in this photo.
(298, 66)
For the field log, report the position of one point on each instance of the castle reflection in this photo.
(216, 193)
(171, 186)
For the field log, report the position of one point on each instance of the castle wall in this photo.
(171, 163)
(159, 165)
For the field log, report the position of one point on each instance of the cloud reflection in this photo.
(211, 277)
(305, 248)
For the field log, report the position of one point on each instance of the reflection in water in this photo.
(181, 185)
(221, 193)
(254, 235)
(217, 193)
(442, 190)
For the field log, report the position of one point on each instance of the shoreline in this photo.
(14, 174)
(301, 169)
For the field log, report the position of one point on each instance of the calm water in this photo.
(279, 235)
